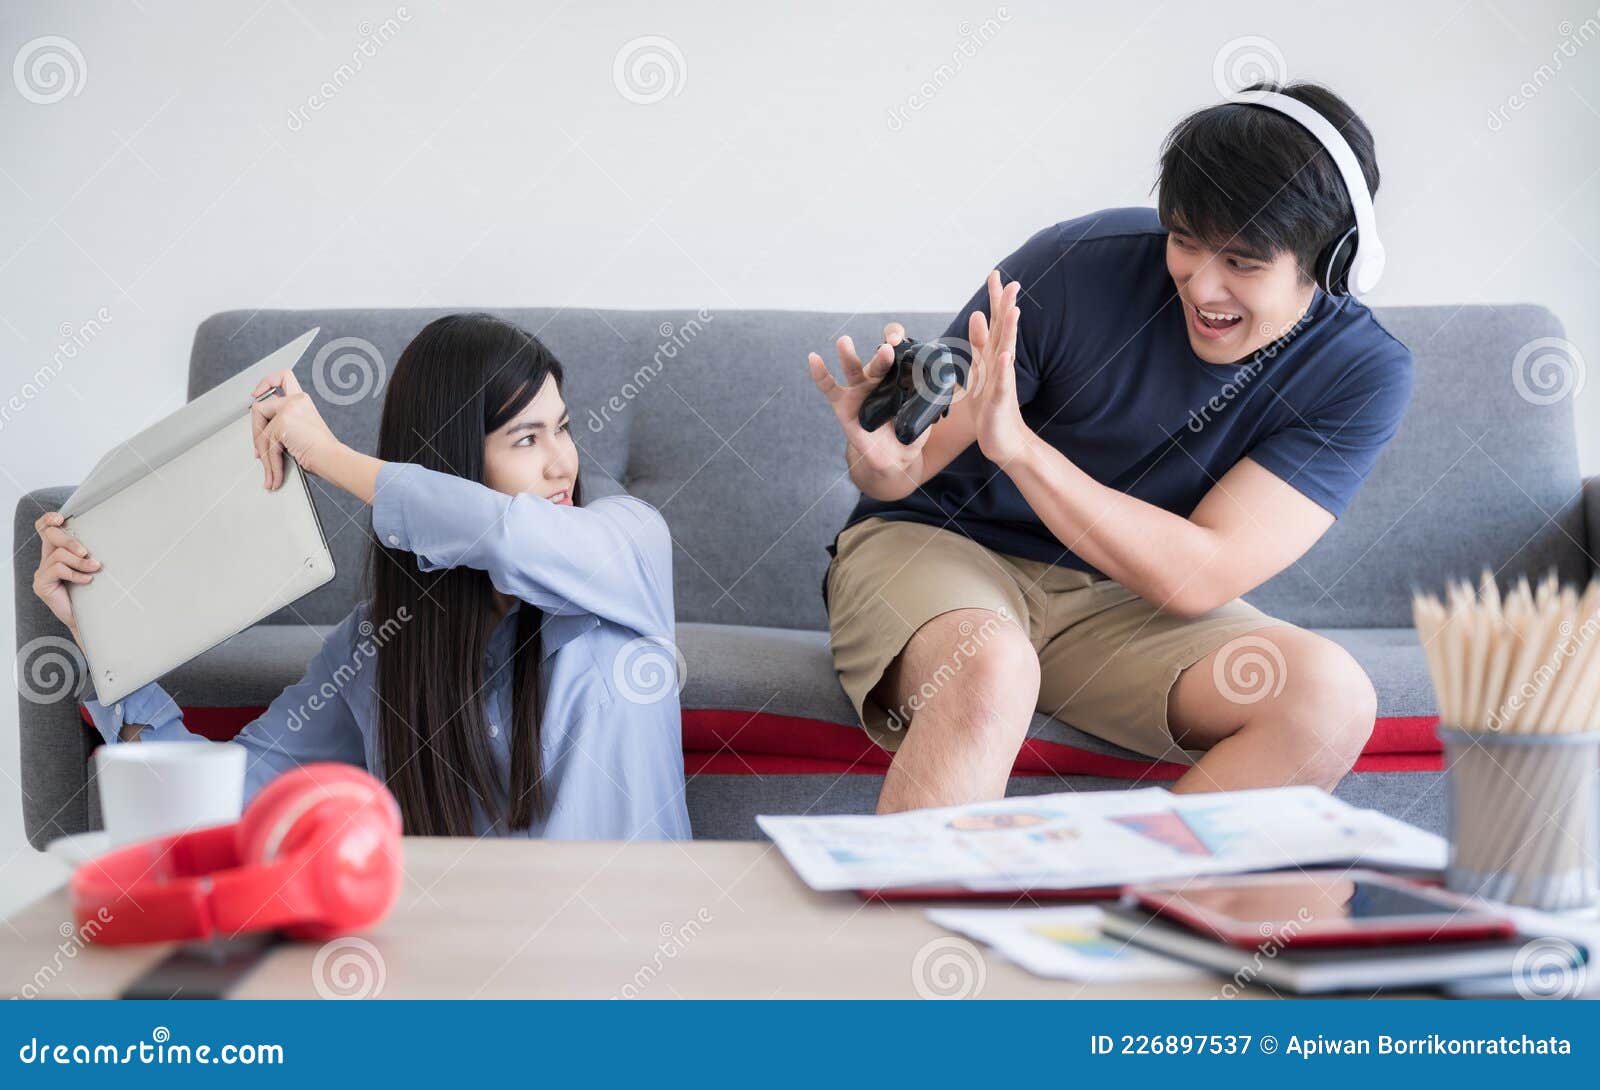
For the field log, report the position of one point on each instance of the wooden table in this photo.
(500, 919)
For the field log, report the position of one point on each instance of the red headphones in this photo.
(317, 853)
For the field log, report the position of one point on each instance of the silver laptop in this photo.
(193, 549)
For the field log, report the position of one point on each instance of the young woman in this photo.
(487, 677)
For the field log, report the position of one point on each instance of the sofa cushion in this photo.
(766, 700)
(782, 680)
(790, 672)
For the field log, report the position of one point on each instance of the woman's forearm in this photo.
(354, 472)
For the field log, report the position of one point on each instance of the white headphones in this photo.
(1352, 263)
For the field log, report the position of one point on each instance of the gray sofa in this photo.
(712, 418)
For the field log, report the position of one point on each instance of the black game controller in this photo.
(918, 390)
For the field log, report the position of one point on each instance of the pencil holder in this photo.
(1524, 817)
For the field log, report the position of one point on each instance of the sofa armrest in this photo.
(51, 675)
(1591, 522)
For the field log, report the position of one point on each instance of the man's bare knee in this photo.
(970, 663)
(1327, 711)
(1296, 697)
(964, 687)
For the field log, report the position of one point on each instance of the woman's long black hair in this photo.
(461, 378)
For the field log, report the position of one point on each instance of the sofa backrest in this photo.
(711, 417)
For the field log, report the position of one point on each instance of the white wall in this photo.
(484, 155)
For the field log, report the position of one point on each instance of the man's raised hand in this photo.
(992, 382)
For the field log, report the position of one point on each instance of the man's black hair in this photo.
(1248, 178)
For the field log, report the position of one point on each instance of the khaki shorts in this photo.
(1107, 657)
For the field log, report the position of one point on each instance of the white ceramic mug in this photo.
(149, 789)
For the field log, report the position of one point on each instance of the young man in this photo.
(1164, 409)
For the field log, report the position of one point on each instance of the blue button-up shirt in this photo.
(610, 739)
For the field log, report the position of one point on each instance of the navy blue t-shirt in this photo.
(1105, 374)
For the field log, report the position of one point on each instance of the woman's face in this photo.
(534, 451)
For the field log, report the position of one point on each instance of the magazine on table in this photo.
(1101, 838)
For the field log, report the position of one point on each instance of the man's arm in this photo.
(1248, 527)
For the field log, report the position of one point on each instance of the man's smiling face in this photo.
(1235, 302)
